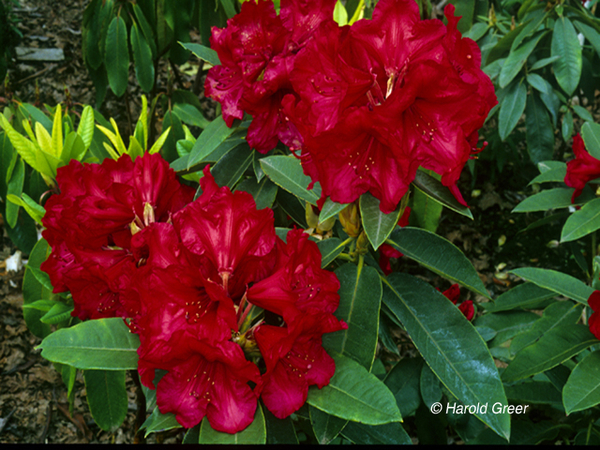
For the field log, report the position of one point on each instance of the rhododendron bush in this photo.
(252, 283)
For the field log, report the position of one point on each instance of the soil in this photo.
(33, 398)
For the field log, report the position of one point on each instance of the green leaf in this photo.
(537, 392)
(190, 115)
(436, 190)
(555, 175)
(33, 209)
(404, 382)
(583, 113)
(549, 199)
(330, 209)
(107, 397)
(116, 56)
(582, 222)
(388, 434)
(555, 315)
(565, 43)
(209, 140)
(204, 53)
(590, 132)
(355, 394)
(41, 305)
(146, 29)
(525, 295)
(228, 6)
(360, 298)
(554, 347)
(14, 190)
(516, 59)
(507, 324)
(264, 192)
(286, 172)
(540, 134)
(454, 350)
(33, 290)
(377, 225)
(438, 255)
(255, 433)
(538, 83)
(279, 431)
(97, 344)
(330, 249)
(57, 132)
(582, 390)
(544, 62)
(58, 313)
(512, 108)
(142, 56)
(590, 34)
(325, 426)
(159, 422)
(558, 282)
(230, 168)
(426, 212)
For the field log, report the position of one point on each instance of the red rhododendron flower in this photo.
(211, 381)
(466, 307)
(385, 96)
(298, 285)
(594, 320)
(257, 51)
(89, 225)
(387, 252)
(582, 169)
(295, 360)
(234, 240)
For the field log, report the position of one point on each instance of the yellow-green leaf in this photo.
(57, 132)
(160, 142)
(44, 139)
(86, 126)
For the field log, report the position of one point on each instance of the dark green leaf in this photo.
(449, 343)
(159, 422)
(142, 56)
(537, 392)
(264, 192)
(512, 108)
(438, 255)
(355, 394)
(582, 222)
(286, 172)
(440, 193)
(540, 135)
(558, 282)
(204, 53)
(525, 295)
(230, 168)
(59, 313)
(330, 209)
(360, 297)
(582, 390)
(431, 391)
(565, 43)
(506, 324)
(190, 115)
(325, 426)
(107, 397)
(330, 249)
(255, 433)
(116, 57)
(404, 382)
(209, 140)
(279, 431)
(15, 187)
(590, 132)
(97, 344)
(516, 59)
(549, 199)
(388, 434)
(554, 347)
(377, 225)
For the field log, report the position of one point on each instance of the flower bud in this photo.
(362, 243)
(350, 220)
(312, 216)
(326, 225)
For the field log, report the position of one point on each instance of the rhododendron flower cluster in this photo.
(594, 322)
(582, 169)
(128, 241)
(365, 105)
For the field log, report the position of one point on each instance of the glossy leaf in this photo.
(549, 199)
(553, 348)
(14, 190)
(438, 255)
(388, 434)
(142, 56)
(116, 56)
(512, 108)
(204, 53)
(565, 43)
(264, 192)
(96, 344)
(539, 134)
(506, 324)
(590, 132)
(325, 426)
(209, 140)
(426, 212)
(554, 175)
(159, 422)
(591, 34)
(58, 313)
(33, 290)
(230, 168)
(558, 282)
(255, 433)
(404, 382)
(377, 225)
(190, 115)
(107, 397)
(360, 298)
(440, 193)
(516, 59)
(330, 249)
(279, 431)
(536, 392)
(454, 350)
(582, 222)
(557, 314)
(355, 394)
(582, 390)
(525, 295)
(330, 209)
(286, 172)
